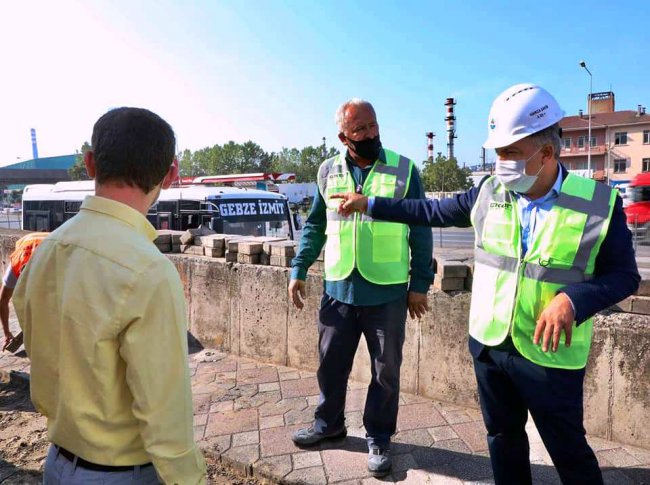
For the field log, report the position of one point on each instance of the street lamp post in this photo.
(584, 66)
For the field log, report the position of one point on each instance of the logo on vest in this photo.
(500, 205)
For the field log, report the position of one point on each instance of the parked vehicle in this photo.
(226, 210)
(638, 208)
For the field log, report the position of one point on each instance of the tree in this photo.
(78, 170)
(444, 175)
(304, 163)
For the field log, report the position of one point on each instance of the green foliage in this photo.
(249, 157)
(78, 170)
(444, 175)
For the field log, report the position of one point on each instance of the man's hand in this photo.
(418, 304)
(297, 293)
(351, 202)
(557, 316)
(8, 339)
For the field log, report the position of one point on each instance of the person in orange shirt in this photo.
(21, 255)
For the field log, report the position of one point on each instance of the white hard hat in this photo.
(518, 112)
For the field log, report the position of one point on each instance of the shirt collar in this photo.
(122, 212)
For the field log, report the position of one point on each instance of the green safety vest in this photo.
(510, 291)
(378, 249)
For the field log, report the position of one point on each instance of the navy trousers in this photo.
(340, 327)
(509, 386)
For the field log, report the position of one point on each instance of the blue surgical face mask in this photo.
(512, 174)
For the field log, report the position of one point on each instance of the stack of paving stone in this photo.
(191, 242)
(452, 275)
(282, 253)
(168, 241)
(214, 245)
(232, 247)
(638, 303)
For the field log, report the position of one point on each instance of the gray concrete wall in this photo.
(243, 309)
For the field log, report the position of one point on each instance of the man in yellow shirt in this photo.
(103, 314)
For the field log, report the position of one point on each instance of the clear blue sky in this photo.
(275, 71)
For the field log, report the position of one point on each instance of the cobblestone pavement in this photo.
(245, 413)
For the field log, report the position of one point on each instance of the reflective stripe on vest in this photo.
(25, 246)
(509, 291)
(378, 249)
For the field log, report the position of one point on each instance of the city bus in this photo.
(638, 207)
(225, 210)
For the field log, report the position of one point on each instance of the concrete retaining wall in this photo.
(243, 309)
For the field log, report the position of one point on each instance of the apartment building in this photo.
(620, 141)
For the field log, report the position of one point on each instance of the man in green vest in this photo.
(551, 250)
(374, 272)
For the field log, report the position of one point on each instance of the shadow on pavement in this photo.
(442, 460)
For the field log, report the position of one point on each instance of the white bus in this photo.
(226, 210)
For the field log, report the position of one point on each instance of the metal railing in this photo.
(10, 220)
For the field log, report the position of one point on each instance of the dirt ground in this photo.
(23, 443)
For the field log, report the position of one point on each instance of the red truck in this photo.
(638, 210)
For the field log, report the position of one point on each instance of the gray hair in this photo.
(549, 136)
(340, 113)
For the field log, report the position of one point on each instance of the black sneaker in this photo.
(309, 436)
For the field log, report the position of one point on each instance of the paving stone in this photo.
(206, 377)
(269, 386)
(638, 474)
(313, 400)
(403, 462)
(271, 421)
(413, 398)
(472, 468)
(222, 406)
(304, 416)
(431, 457)
(354, 419)
(198, 432)
(642, 455)
(414, 416)
(456, 417)
(201, 403)
(442, 433)
(247, 364)
(260, 375)
(618, 457)
(618, 477)
(200, 419)
(538, 453)
(406, 441)
(282, 406)
(232, 422)
(355, 399)
(598, 444)
(272, 467)
(277, 441)
(440, 475)
(352, 385)
(343, 465)
(306, 459)
(216, 444)
(307, 476)
(545, 474)
(257, 400)
(299, 388)
(289, 376)
(241, 458)
(473, 434)
(246, 438)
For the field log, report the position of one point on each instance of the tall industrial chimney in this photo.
(430, 135)
(34, 145)
(451, 127)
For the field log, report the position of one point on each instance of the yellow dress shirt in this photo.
(104, 319)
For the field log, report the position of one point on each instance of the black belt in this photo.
(94, 466)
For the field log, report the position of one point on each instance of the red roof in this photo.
(604, 119)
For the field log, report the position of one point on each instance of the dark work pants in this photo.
(510, 385)
(339, 329)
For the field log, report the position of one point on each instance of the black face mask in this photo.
(368, 149)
